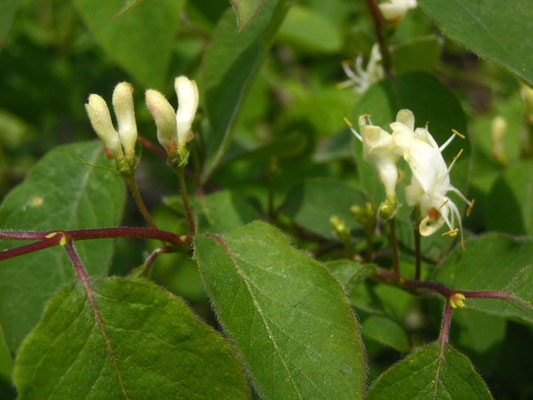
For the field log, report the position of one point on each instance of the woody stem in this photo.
(139, 202)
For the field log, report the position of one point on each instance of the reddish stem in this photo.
(153, 147)
(379, 26)
(30, 248)
(445, 329)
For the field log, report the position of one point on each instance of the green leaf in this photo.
(307, 28)
(426, 375)
(140, 41)
(246, 11)
(311, 204)
(288, 317)
(421, 53)
(350, 273)
(64, 194)
(132, 340)
(223, 211)
(385, 331)
(229, 66)
(127, 5)
(7, 12)
(493, 262)
(512, 192)
(477, 331)
(494, 29)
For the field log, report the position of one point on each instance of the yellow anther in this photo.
(51, 235)
(366, 115)
(346, 63)
(348, 122)
(458, 154)
(452, 233)
(63, 241)
(457, 300)
(443, 204)
(183, 238)
(470, 207)
(458, 134)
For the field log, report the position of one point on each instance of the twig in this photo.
(379, 26)
(185, 198)
(139, 202)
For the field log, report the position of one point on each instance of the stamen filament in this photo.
(357, 135)
(453, 232)
(469, 210)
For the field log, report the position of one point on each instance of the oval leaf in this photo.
(427, 374)
(246, 10)
(493, 262)
(494, 29)
(288, 317)
(64, 194)
(132, 340)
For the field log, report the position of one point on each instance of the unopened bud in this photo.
(457, 300)
(187, 93)
(339, 227)
(498, 130)
(100, 118)
(527, 97)
(388, 208)
(165, 120)
(125, 113)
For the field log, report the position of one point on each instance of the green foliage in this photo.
(140, 40)
(7, 11)
(472, 24)
(89, 198)
(269, 297)
(506, 267)
(246, 10)
(428, 374)
(132, 337)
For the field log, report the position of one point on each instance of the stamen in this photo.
(443, 204)
(458, 134)
(458, 193)
(456, 211)
(470, 207)
(458, 154)
(357, 135)
(452, 233)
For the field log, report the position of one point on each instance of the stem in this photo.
(394, 241)
(153, 147)
(78, 266)
(379, 26)
(369, 230)
(185, 198)
(139, 201)
(445, 329)
(415, 219)
(84, 234)
(151, 259)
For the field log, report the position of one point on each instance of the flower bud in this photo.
(125, 114)
(165, 120)
(339, 228)
(457, 300)
(527, 97)
(100, 119)
(187, 93)
(497, 134)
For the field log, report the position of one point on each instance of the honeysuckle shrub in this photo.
(289, 199)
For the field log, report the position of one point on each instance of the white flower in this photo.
(430, 182)
(378, 150)
(361, 78)
(123, 141)
(394, 10)
(174, 128)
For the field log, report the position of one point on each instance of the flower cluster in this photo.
(362, 78)
(173, 128)
(430, 181)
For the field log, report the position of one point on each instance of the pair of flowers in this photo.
(430, 182)
(173, 128)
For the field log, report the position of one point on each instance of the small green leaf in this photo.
(385, 331)
(307, 28)
(64, 194)
(512, 192)
(288, 317)
(229, 65)
(126, 6)
(246, 11)
(421, 53)
(350, 273)
(7, 12)
(223, 211)
(493, 262)
(311, 204)
(425, 374)
(494, 29)
(137, 341)
(140, 41)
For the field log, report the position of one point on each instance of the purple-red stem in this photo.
(445, 329)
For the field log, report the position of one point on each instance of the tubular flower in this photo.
(174, 128)
(394, 10)
(430, 182)
(361, 78)
(378, 150)
(121, 143)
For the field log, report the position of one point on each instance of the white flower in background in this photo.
(527, 97)
(394, 10)
(361, 79)
(122, 142)
(430, 182)
(378, 150)
(174, 128)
